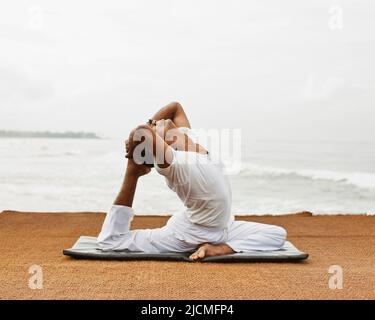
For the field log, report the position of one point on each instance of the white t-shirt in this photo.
(202, 186)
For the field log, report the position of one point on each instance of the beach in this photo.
(29, 239)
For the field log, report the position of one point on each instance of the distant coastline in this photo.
(48, 134)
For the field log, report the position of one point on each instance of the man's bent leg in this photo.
(116, 226)
(116, 235)
(246, 236)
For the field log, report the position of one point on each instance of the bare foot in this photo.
(210, 250)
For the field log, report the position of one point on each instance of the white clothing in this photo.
(205, 191)
(201, 186)
(180, 235)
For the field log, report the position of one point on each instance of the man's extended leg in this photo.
(116, 233)
(116, 225)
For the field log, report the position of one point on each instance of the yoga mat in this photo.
(87, 248)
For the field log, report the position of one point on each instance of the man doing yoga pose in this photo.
(206, 227)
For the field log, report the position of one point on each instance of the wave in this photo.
(364, 180)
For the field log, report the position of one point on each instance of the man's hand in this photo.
(136, 169)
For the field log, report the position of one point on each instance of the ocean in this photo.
(276, 177)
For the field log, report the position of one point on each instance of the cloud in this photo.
(91, 66)
(16, 86)
(331, 88)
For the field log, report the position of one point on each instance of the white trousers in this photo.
(180, 235)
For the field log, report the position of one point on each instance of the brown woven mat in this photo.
(38, 239)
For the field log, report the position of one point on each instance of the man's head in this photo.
(143, 140)
(141, 154)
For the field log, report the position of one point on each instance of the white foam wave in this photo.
(359, 179)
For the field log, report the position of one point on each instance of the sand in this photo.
(28, 239)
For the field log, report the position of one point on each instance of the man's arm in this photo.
(126, 195)
(174, 112)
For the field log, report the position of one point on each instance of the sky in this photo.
(286, 70)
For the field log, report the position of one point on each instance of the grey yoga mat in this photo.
(87, 248)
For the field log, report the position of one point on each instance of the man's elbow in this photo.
(176, 106)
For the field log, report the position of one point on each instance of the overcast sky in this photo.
(287, 69)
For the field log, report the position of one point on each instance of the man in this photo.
(206, 227)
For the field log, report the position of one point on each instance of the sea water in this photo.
(276, 177)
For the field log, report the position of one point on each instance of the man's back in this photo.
(201, 185)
